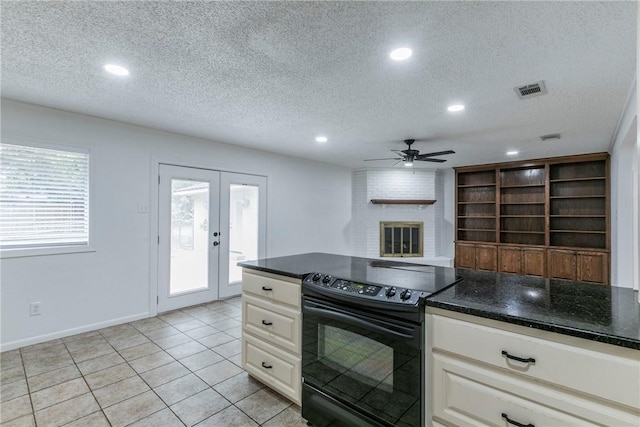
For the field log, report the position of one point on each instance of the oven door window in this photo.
(377, 372)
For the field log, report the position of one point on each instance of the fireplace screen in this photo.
(401, 239)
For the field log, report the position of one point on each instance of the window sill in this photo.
(29, 252)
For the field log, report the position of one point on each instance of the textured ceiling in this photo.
(273, 75)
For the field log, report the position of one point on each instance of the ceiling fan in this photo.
(409, 155)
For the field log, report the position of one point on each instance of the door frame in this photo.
(189, 162)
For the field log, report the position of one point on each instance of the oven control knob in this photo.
(326, 279)
(406, 294)
(390, 292)
(316, 277)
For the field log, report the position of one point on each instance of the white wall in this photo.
(309, 209)
(624, 253)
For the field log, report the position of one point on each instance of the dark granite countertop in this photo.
(601, 313)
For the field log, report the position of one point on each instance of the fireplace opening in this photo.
(401, 239)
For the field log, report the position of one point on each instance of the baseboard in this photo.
(68, 332)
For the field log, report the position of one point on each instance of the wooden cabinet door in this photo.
(510, 260)
(592, 267)
(486, 258)
(562, 264)
(533, 262)
(465, 256)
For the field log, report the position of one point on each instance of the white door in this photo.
(188, 245)
(243, 207)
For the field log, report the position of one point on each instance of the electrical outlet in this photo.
(34, 309)
(143, 208)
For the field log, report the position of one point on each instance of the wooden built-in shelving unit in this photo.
(546, 217)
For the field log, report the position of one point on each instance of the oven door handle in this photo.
(357, 321)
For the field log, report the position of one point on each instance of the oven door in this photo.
(360, 369)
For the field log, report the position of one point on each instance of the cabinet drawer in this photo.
(276, 368)
(607, 376)
(275, 288)
(274, 323)
(466, 393)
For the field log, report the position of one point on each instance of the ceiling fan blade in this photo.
(388, 158)
(438, 153)
(429, 159)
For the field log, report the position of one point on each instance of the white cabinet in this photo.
(271, 331)
(477, 378)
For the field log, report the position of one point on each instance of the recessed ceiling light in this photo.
(401, 54)
(511, 153)
(117, 70)
(321, 139)
(455, 107)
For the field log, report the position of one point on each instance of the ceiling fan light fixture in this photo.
(321, 139)
(408, 163)
(455, 108)
(401, 54)
(117, 70)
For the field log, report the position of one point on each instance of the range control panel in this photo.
(363, 290)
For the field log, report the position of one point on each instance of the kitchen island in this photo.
(480, 329)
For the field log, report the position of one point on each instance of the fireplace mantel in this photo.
(402, 202)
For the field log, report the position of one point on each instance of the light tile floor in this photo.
(181, 368)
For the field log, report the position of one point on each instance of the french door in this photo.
(207, 222)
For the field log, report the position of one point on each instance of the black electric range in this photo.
(363, 343)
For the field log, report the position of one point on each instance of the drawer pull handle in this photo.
(264, 365)
(519, 359)
(515, 423)
(264, 322)
(264, 288)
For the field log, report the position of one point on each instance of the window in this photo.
(44, 200)
(401, 239)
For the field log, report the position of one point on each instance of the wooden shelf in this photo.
(599, 196)
(593, 178)
(577, 216)
(484, 230)
(522, 186)
(477, 216)
(402, 202)
(477, 185)
(477, 203)
(579, 231)
(523, 203)
(521, 216)
(522, 232)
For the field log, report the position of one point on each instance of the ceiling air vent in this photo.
(531, 90)
(550, 136)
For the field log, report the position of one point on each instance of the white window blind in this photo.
(44, 197)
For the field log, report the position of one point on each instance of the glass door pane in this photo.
(243, 227)
(189, 236)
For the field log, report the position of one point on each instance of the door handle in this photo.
(216, 243)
